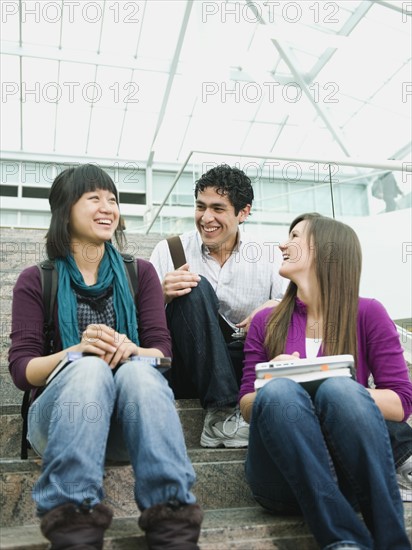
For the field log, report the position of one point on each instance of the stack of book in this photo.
(310, 373)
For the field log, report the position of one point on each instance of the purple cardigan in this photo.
(379, 349)
(27, 341)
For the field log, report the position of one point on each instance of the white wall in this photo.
(386, 241)
(387, 260)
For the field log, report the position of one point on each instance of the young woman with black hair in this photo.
(103, 404)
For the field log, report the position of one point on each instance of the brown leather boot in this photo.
(172, 526)
(68, 527)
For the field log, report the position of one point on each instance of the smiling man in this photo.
(211, 299)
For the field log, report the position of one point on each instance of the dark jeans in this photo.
(204, 365)
(208, 365)
(400, 434)
(292, 439)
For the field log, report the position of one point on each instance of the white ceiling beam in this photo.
(347, 28)
(90, 58)
(288, 58)
(119, 142)
(241, 74)
(21, 101)
(101, 28)
(172, 73)
(139, 36)
(358, 162)
(189, 121)
(395, 7)
(282, 127)
(90, 113)
(402, 152)
(61, 26)
(56, 110)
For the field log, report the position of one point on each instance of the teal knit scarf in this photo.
(111, 273)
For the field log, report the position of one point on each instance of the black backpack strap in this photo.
(48, 278)
(24, 413)
(131, 272)
(176, 251)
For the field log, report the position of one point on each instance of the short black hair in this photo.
(231, 182)
(66, 190)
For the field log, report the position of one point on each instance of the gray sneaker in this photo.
(224, 428)
(404, 477)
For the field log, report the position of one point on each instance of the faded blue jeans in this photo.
(319, 457)
(87, 415)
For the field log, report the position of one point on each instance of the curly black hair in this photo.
(231, 182)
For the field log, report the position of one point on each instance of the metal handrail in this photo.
(392, 165)
(179, 173)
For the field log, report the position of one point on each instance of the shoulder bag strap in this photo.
(131, 272)
(176, 251)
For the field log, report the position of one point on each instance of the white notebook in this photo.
(305, 370)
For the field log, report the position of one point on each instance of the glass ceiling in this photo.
(151, 80)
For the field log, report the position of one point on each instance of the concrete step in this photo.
(220, 484)
(9, 394)
(220, 472)
(246, 528)
(235, 529)
(190, 413)
(225, 529)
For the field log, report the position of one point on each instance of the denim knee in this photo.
(82, 394)
(344, 399)
(139, 379)
(338, 387)
(280, 390)
(89, 375)
(281, 400)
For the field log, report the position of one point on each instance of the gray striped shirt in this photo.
(245, 281)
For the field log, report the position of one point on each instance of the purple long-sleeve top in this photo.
(27, 339)
(379, 350)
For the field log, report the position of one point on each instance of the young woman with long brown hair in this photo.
(327, 455)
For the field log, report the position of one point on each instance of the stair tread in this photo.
(220, 484)
(199, 455)
(235, 524)
(14, 408)
(190, 412)
(222, 528)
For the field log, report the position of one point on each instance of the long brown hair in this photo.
(338, 262)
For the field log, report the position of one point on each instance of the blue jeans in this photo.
(202, 364)
(87, 414)
(400, 434)
(319, 457)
